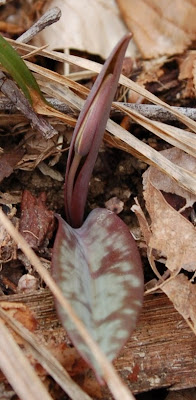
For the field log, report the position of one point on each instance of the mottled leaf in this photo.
(98, 268)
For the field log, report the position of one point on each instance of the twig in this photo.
(50, 16)
(150, 111)
(10, 89)
(159, 113)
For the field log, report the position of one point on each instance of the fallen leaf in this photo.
(145, 228)
(36, 222)
(8, 161)
(173, 236)
(187, 74)
(186, 66)
(74, 29)
(182, 293)
(21, 313)
(160, 27)
(164, 183)
(169, 234)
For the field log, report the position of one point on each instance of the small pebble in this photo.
(115, 205)
(27, 283)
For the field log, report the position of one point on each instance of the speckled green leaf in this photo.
(17, 68)
(99, 270)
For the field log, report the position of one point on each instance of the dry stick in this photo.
(150, 111)
(159, 113)
(48, 18)
(114, 382)
(6, 105)
(10, 89)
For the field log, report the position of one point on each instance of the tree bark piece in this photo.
(160, 353)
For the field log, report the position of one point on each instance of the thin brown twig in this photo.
(48, 18)
(159, 113)
(10, 89)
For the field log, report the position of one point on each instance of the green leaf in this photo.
(17, 68)
(98, 268)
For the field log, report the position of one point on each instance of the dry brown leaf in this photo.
(173, 236)
(163, 182)
(8, 161)
(21, 313)
(186, 68)
(145, 228)
(194, 75)
(36, 222)
(152, 70)
(182, 293)
(86, 26)
(160, 27)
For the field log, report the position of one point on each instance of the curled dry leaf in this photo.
(187, 74)
(21, 313)
(182, 293)
(162, 182)
(170, 233)
(160, 27)
(36, 222)
(8, 161)
(74, 29)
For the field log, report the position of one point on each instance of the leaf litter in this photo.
(170, 235)
(161, 213)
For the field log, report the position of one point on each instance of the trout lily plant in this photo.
(96, 262)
